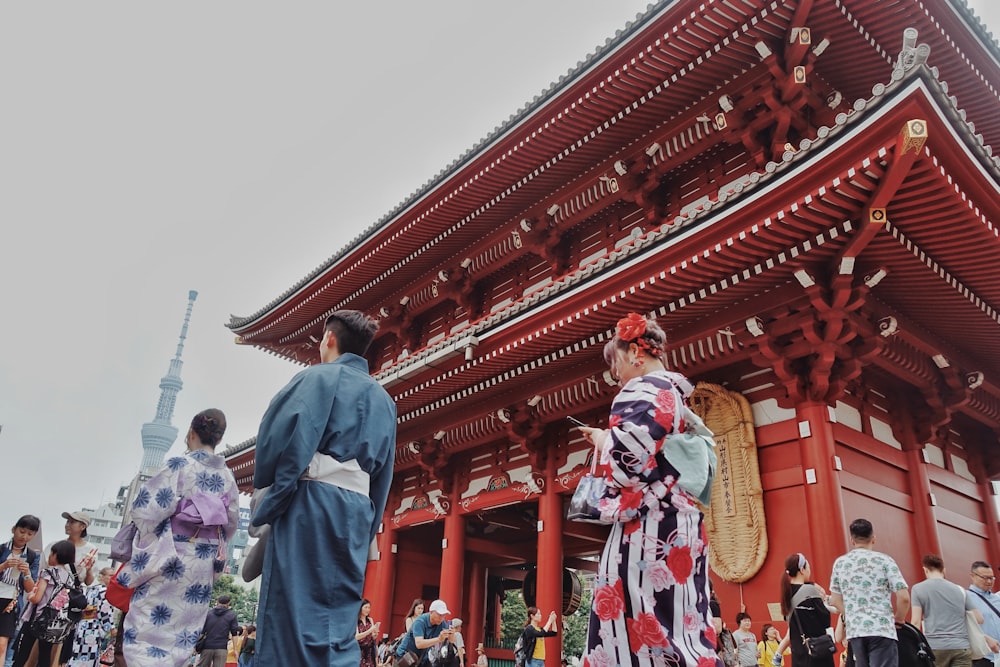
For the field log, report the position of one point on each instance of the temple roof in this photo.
(578, 174)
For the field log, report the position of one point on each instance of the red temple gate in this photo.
(805, 197)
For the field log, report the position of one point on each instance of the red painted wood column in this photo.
(924, 517)
(824, 496)
(385, 578)
(550, 560)
(453, 562)
(990, 515)
(475, 630)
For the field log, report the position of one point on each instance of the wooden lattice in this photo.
(735, 523)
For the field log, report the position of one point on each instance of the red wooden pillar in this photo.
(824, 499)
(453, 561)
(475, 627)
(924, 516)
(550, 560)
(990, 514)
(385, 578)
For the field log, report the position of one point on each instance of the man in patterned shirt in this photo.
(862, 586)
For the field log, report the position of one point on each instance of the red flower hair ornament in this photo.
(632, 329)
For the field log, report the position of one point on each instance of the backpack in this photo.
(914, 651)
(727, 648)
(520, 651)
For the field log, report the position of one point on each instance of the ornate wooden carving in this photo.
(817, 350)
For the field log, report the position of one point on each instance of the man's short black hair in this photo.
(353, 330)
(224, 599)
(981, 563)
(933, 562)
(862, 530)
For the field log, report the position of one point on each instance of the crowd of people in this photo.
(316, 464)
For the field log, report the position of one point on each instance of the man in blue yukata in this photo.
(325, 447)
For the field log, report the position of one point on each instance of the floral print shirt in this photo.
(867, 579)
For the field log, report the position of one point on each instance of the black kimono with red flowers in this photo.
(651, 595)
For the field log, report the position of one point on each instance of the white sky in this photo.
(228, 147)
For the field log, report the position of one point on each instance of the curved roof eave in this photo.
(538, 102)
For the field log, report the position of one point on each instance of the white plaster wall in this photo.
(767, 412)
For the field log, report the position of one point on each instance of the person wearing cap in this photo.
(86, 553)
(428, 630)
(458, 640)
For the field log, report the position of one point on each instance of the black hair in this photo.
(862, 530)
(742, 615)
(29, 521)
(413, 607)
(65, 552)
(209, 425)
(353, 330)
(364, 601)
(981, 563)
(933, 562)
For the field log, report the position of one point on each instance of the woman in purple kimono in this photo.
(184, 515)
(651, 596)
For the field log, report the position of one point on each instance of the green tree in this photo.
(513, 615)
(243, 599)
(575, 626)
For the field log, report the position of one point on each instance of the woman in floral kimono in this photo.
(651, 597)
(184, 515)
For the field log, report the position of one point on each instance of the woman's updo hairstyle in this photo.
(209, 425)
(643, 331)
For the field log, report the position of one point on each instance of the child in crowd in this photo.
(18, 572)
(746, 641)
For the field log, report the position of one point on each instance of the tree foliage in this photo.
(575, 626)
(514, 614)
(243, 599)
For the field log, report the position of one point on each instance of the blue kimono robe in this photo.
(317, 550)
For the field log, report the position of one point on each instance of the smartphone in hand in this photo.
(575, 421)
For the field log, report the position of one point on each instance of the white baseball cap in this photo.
(439, 607)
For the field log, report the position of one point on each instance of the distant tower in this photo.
(159, 434)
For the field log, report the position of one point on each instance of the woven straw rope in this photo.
(738, 538)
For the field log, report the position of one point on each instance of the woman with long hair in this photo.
(367, 634)
(803, 606)
(534, 650)
(184, 515)
(651, 599)
(416, 609)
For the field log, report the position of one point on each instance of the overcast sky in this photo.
(147, 149)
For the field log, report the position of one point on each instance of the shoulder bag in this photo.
(817, 647)
(585, 505)
(121, 543)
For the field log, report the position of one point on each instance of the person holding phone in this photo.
(367, 635)
(651, 595)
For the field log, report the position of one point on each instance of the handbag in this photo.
(819, 647)
(585, 505)
(108, 655)
(119, 595)
(121, 543)
(199, 644)
(408, 659)
(977, 640)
